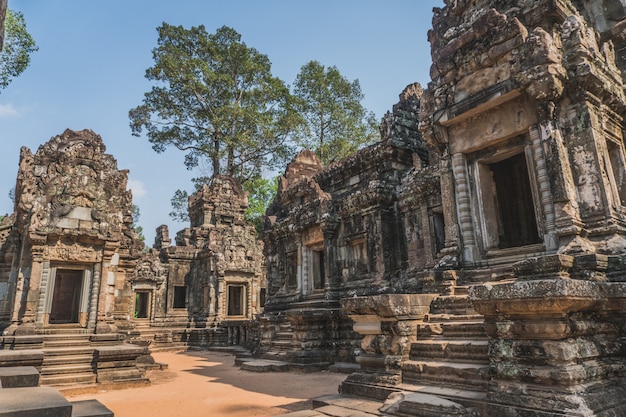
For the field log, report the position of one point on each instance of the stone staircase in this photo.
(281, 343)
(68, 360)
(449, 360)
(159, 339)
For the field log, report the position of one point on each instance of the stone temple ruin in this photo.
(471, 263)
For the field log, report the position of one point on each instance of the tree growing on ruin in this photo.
(16, 45)
(261, 193)
(336, 124)
(216, 98)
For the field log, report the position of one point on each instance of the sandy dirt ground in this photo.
(208, 384)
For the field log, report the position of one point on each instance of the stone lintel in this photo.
(538, 298)
(390, 306)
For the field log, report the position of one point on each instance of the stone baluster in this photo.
(459, 168)
(545, 194)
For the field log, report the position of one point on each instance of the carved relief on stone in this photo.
(74, 253)
(150, 269)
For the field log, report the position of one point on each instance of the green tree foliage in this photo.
(261, 193)
(215, 98)
(17, 46)
(180, 204)
(138, 229)
(336, 124)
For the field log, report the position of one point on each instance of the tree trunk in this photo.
(231, 162)
(215, 158)
(3, 12)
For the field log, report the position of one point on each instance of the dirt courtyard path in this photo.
(208, 384)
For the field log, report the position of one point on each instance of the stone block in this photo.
(33, 402)
(26, 357)
(90, 408)
(19, 377)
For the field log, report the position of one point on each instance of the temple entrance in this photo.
(236, 300)
(142, 304)
(66, 296)
(516, 212)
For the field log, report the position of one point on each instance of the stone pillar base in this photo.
(557, 344)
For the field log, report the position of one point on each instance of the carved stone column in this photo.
(388, 324)
(545, 193)
(459, 167)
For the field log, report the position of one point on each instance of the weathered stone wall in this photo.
(71, 245)
(210, 280)
(336, 232)
(526, 113)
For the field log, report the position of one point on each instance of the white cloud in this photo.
(137, 187)
(7, 110)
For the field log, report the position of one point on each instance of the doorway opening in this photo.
(515, 212)
(142, 304)
(318, 267)
(236, 300)
(66, 296)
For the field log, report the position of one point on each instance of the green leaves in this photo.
(18, 45)
(215, 98)
(335, 122)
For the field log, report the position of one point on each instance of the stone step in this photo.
(106, 339)
(68, 379)
(453, 350)
(283, 336)
(67, 351)
(426, 405)
(65, 331)
(65, 343)
(452, 304)
(65, 336)
(33, 402)
(66, 369)
(90, 408)
(264, 365)
(67, 359)
(452, 329)
(281, 344)
(346, 405)
(449, 374)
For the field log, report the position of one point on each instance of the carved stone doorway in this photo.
(66, 296)
(142, 304)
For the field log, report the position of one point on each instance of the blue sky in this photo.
(89, 71)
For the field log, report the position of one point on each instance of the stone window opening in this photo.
(617, 171)
(291, 270)
(357, 256)
(509, 217)
(180, 296)
(438, 229)
(236, 300)
(262, 297)
(318, 268)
